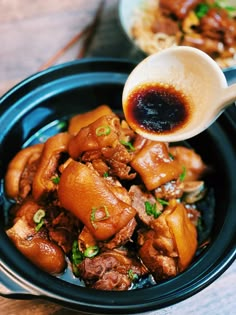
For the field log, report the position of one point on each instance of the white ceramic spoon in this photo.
(194, 75)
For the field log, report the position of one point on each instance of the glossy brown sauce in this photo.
(157, 108)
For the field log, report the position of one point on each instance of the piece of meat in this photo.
(110, 270)
(53, 149)
(97, 207)
(121, 237)
(195, 167)
(153, 163)
(165, 25)
(139, 197)
(20, 172)
(161, 266)
(170, 190)
(178, 8)
(86, 239)
(217, 25)
(39, 250)
(83, 120)
(102, 133)
(112, 281)
(169, 247)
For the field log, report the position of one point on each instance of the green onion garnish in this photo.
(163, 202)
(77, 255)
(39, 215)
(103, 131)
(128, 145)
(106, 174)
(94, 211)
(91, 251)
(55, 180)
(151, 209)
(201, 10)
(38, 219)
(133, 276)
(183, 174)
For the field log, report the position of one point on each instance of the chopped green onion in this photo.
(77, 255)
(128, 145)
(183, 174)
(171, 156)
(55, 180)
(106, 174)
(94, 211)
(151, 209)
(163, 202)
(39, 215)
(103, 131)
(39, 225)
(201, 10)
(91, 251)
(133, 276)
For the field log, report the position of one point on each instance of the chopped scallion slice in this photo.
(133, 276)
(39, 225)
(183, 174)
(151, 209)
(77, 255)
(55, 180)
(39, 215)
(201, 10)
(91, 251)
(96, 215)
(103, 131)
(163, 202)
(128, 145)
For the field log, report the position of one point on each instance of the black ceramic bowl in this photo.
(33, 110)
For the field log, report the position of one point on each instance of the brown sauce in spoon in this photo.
(157, 108)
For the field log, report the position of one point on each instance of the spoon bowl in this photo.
(190, 72)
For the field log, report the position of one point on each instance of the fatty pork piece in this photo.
(48, 167)
(79, 121)
(89, 197)
(190, 160)
(21, 171)
(154, 164)
(111, 270)
(105, 132)
(170, 245)
(33, 244)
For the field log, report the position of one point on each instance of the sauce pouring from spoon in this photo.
(175, 94)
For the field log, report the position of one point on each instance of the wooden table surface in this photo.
(31, 32)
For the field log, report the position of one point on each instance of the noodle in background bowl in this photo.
(33, 110)
(136, 17)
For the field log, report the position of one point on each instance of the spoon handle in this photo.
(229, 96)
